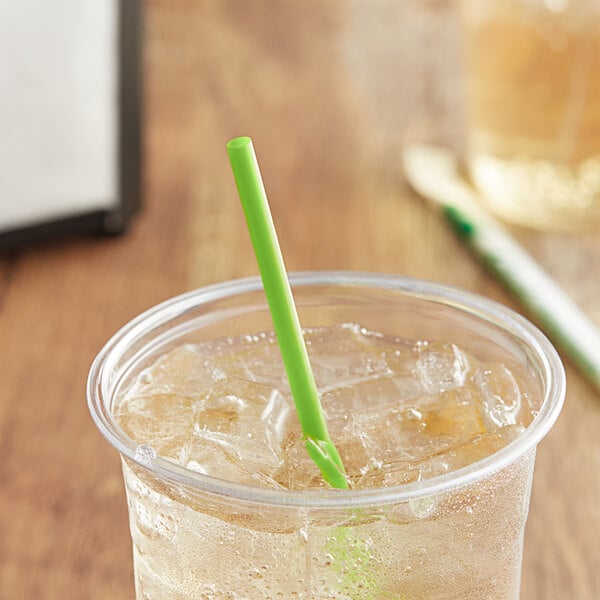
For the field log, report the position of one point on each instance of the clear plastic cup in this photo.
(458, 535)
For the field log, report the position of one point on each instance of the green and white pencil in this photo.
(433, 173)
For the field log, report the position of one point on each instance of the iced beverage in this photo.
(534, 109)
(435, 399)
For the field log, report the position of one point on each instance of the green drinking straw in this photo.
(283, 311)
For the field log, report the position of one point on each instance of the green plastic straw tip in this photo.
(283, 311)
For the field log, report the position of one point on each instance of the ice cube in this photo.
(435, 464)
(452, 417)
(442, 367)
(341, 357)
(368, 394)
(254, 358)
(500, 395)
(403, 434)
(163, 421)
(298, 471)
(473, 450)
(239, 428)
(185, 370)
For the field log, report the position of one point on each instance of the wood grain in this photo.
(329, 90)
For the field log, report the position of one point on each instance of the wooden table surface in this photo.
(329, 90)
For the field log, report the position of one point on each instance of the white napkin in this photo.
(58, 109)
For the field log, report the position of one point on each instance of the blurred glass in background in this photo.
(533, 106)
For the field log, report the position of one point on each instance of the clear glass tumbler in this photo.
(457, 535)
(533, 109)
